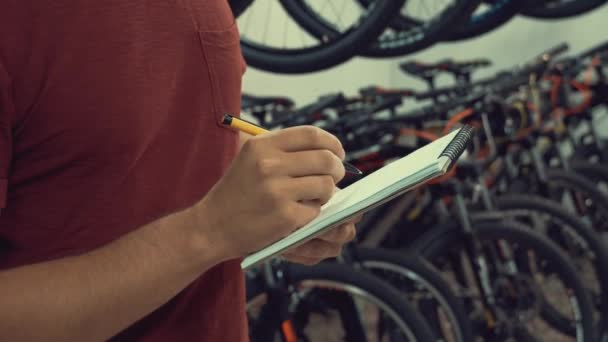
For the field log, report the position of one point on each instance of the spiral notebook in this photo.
(394, 179)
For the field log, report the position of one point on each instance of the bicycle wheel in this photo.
(421, 23)
(580, 195)
(275, 49)
(238, 6)
(486, 18)
(318, 295)
(424, 288)
(597, 173)
(544, 276)
(582, 245)
(557, 9)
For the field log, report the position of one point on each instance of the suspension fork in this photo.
(544, 190)
(505, 253)
(347, 308)
(599, 68)
(598, 142)
(274, 316)
(501, 254)
(556, 140)
(479, 263)
(572, 124)
(539, 166)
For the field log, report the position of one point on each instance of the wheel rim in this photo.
(306, 286)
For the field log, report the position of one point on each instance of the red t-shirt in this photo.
(109, 120)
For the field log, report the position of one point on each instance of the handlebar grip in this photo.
(552, 52)
(540, 62)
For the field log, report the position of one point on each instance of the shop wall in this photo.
(517, 41)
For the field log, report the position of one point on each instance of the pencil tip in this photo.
(352, 169)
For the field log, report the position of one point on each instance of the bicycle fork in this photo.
(499, 255)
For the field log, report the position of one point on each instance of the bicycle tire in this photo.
(577, 182)
(404, 41)
(238, 6)
(560, 9)
(591, 171)
(442, 237)
(590, 238)
(326, 54)
(421, 272)
(379, 291)
(498, 14)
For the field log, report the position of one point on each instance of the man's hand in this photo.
(327, 245)
(276, 184)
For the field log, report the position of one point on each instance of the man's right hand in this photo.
(276, 184)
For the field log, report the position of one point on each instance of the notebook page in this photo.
(385, 177)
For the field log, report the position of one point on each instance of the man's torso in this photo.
(113, 124)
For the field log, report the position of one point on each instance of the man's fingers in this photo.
(301, 260)
(316, 248)
(341, 234)
(329, 245)
(356, 219)
(304, 138)
(313, 188)
(303, 213)
(312, 163)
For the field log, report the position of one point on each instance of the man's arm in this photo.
(93, 296)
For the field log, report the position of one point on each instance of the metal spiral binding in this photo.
(457, 146)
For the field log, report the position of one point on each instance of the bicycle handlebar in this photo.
(549, 54)
(540, 62)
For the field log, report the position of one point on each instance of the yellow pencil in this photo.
(249, 128)
(242, 125)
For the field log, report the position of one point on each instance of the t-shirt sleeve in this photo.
(6, 115)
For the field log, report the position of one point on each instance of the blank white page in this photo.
(385, 177)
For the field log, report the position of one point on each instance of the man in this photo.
(125, 211)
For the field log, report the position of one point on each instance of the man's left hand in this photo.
(327, 245)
